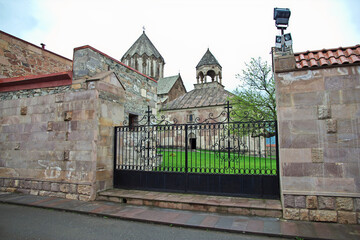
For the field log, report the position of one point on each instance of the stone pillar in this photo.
(318, 140)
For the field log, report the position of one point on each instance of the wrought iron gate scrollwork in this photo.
(204, 156)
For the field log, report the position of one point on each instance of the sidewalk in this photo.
(217, 222)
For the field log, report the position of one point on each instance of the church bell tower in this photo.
(208, 66)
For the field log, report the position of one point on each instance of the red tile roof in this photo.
(328, 57)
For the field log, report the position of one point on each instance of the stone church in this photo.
(208, 95)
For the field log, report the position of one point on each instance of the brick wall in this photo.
(319, 141)
(20, 58)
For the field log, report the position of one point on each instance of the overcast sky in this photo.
(182, 30)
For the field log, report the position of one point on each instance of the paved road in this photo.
(28, 223)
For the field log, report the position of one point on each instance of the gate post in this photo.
(115, 153)
(186, 158)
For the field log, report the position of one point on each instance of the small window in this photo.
(190, 117)
(133, 120)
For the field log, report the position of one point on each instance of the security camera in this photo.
(278, 41)
(288, 39)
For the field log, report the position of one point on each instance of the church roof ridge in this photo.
(208, 59)
(141, 46)
(165, 84)
(199, 97)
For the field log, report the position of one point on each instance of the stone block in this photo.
(333, 170)
(317, 155)
(66, 155)
(50, 126)
(72, 196)
(55, 187)
(1, 182)
(72, 188)
(331, 126)
(343, 203)
(68, 116)
(34, 192)
(64, 188)
(292, 155)
(23, 191)
(347, 217)
(57, 194)
(102, 198)
(311, 202)
(115, 199)
(357, 204)
(289, 201)
(304, 215)
(84, 198)
(23, 110)
(308, 99)
(284, 63)
(45, 193)
(323, 216)
(324, 112)
(46, 186)
(292, 213)
(300, 202)
(84, 189)
(59, 98)
(293, 169)
(8, 182)
(9, 189)
(27, 184)
(21, 183)
(326, 202)
(35, 185)
(313, 169)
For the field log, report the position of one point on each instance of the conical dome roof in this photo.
(143, 45)
(208, 59)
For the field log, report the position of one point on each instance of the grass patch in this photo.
(201, 161)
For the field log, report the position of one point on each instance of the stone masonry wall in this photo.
(57, 141)
(46, 143)
(20, 58)
(140, 89)
(319, 141)
(176, 91)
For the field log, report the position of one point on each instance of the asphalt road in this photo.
(29, 223)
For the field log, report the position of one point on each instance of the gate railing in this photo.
(217, 145)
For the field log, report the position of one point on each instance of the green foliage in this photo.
(254, 98)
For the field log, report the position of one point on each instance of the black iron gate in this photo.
(234, 158)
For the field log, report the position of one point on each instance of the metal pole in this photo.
(228, 130)
(115, 154)
(282, 40)
(186, 159)
(148, 136)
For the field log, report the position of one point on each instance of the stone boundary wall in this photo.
(322, 208)
(319, 141)
(21, 58)
(46, 136)
(59, 141)
(46, 188)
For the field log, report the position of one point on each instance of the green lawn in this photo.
(216, 162)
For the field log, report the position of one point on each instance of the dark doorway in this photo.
(133, 120)
(192, 143)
